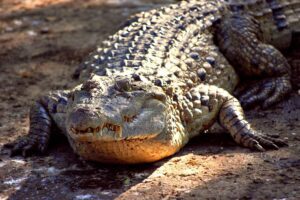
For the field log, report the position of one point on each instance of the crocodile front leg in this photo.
(240, 40)
(233, 119)
(204, 104)
(43, 115)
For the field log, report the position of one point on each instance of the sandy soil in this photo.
(41, 44)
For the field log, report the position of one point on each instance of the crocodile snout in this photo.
(83, 119)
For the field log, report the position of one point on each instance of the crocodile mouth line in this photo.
(106, 127)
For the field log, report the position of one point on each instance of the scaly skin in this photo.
(167, 76)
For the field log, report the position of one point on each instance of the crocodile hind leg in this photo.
(240, 40)
(43, 113)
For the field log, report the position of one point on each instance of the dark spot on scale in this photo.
(282, 25)
(98, 61)
(199, 17)
(201, 74)
(237, 7)
(175, 97)
(205, 100)
(196, 96)
(177, 73)
(158, 82)
(147, 46)
(136, 77)
(153, 33)
(254, 63)
(217, 20)
(211, 60)
(277, 7)
(195, 55)
(102, 72)
(63, 100)
(196, 33)
(205, 13)
(280, 17)
(193, 8)
(171, 42)
(193, 21)
(181, 27)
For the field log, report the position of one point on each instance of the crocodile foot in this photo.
(262, 142)
(24, 145)
(39, 133)
(267, 92)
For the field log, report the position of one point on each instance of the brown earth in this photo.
(41, 44)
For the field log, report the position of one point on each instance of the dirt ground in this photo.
(42, 41)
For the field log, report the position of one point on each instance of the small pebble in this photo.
(31, 33)
(18, 22)
(44, 30)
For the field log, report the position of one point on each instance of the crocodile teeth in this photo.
(73, 130)
(104, 130)
(111, 127)
(129, 119)
(99, 131)
(89, 130)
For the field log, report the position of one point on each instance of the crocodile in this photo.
(168, 75)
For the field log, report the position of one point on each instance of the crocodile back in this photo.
(155, 40)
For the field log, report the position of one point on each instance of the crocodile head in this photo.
(109, 110)
(110, 118)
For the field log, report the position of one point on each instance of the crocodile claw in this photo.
(263, 142)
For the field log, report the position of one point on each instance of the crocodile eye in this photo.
(91, 85)
(123, 85)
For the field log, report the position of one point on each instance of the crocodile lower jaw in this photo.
(131, 151)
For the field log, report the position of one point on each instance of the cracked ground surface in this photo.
(41, 44)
